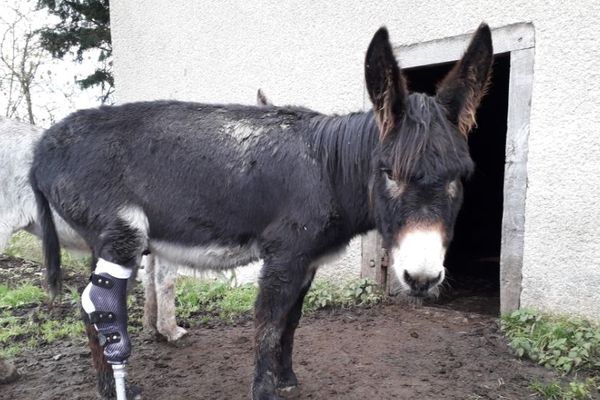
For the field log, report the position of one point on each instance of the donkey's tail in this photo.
(50, 242)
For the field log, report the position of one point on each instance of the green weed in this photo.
(568, 345)
(360, 292)
(575, 390)
(322, 294)
(560, 343)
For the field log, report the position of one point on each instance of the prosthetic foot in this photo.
(105, 301)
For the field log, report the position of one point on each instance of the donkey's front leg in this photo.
(287, 379)
(104, 374)
(280, 288)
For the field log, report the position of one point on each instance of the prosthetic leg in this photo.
(105, 301)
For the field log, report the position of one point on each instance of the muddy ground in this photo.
(391, 351)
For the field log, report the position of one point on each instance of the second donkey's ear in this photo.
(385, 83)
(465, 85)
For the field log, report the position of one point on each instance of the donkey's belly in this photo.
(211, 256)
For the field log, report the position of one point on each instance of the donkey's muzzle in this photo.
(420, 285)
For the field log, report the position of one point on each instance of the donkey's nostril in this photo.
(409, 279)
(420, 284)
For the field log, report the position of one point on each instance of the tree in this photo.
(84, 27)
(21, 57)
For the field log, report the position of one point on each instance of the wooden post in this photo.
(515, 178)
(372, 256)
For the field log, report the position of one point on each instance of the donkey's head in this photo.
(422, 157)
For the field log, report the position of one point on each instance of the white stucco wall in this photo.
(312, 54)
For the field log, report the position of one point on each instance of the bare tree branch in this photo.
(22, 61)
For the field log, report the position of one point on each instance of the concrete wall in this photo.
(311, 54)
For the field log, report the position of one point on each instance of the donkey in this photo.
(17, 203)
(18, 209)
(287, 185)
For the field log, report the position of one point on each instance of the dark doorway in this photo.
(473, 259)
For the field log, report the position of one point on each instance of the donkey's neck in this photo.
(344, 145)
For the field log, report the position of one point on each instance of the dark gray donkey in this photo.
(217, 186)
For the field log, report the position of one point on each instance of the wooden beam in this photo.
(515, 178)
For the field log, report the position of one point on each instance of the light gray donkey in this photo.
(18, 211)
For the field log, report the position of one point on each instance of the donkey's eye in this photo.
(452, 188)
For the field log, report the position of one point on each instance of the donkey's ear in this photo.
(462, 89)
(385, 83)
(261, 99)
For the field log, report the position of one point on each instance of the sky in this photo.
(55, 93)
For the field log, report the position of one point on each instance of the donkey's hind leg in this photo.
(5, 235)
(281, 285)
(165, 279)
(150, 306)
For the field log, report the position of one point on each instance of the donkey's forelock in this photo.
(426, 144)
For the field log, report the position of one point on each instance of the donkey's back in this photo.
(192, 176)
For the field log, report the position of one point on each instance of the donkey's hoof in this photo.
(264, 394)
(172, 334)
(177, 334)
(134, 392)
(8, 373)
(289, 392)
(287, 380)
(267, 397)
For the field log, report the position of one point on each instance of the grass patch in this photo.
(24, 324)
(25, 245)
(206, 299)
(568, 345)
(10, 328)
(216, 298)
(34, 329)
(575, 390)
(26, 294)
(237, 301)
(53, 330)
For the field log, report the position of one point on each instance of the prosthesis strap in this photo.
(99, 317)
(108, 338)
(101, 281)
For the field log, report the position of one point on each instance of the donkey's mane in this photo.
(345, 143)
(426, 143)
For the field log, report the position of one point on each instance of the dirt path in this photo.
(387, 352)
